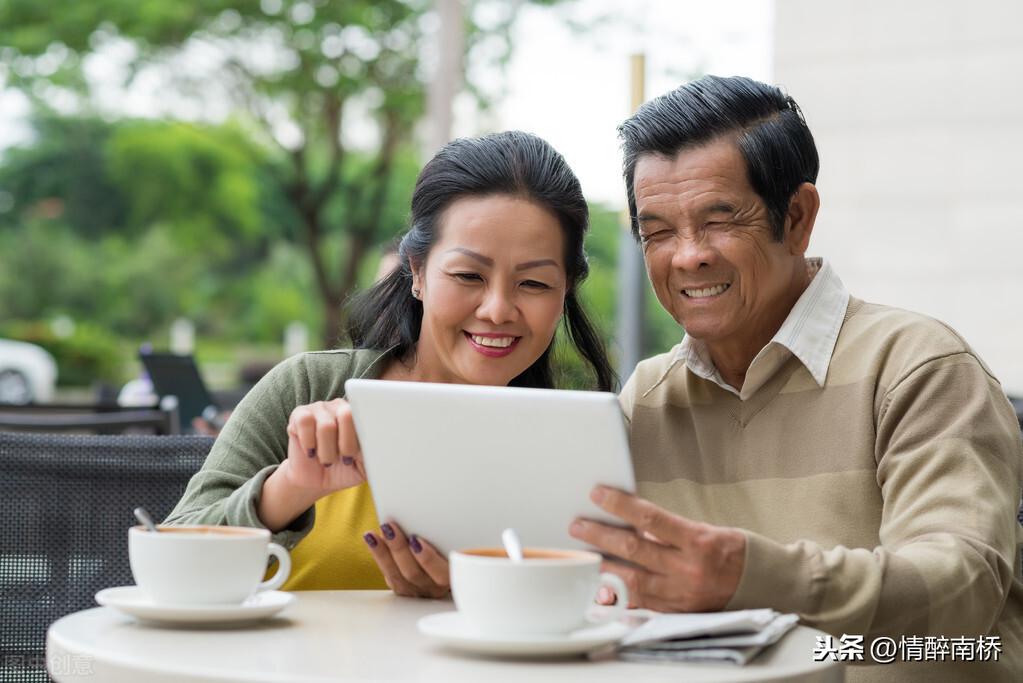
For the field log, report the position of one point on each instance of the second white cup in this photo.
(549, 592)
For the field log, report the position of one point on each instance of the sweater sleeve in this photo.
(253, 443)
(949, 463)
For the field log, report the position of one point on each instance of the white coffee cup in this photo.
(548, 592)
(204, 565)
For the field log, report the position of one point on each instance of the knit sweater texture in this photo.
(882, 503)
(327, 550)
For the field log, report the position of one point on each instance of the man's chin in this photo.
(703, 331)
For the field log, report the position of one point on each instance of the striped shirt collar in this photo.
(809, 333)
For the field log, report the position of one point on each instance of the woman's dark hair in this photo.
(768, 126)
(514, 163)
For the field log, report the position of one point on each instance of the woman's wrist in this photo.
(281, 502)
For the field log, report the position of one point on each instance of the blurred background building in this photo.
(917, 110)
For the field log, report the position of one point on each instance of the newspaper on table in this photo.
(735, 637)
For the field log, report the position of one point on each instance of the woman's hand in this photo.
(411, 566)
(323, 449)
(323, 457)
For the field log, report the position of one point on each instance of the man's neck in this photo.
(732, 357)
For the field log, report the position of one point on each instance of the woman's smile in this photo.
(493, 345)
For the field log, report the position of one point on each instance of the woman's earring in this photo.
(415, 292)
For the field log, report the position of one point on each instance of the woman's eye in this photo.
(535, 284)
(468, 277)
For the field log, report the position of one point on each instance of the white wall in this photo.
(917, 110)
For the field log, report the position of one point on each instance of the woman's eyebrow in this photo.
(536, 264)
(485, 260)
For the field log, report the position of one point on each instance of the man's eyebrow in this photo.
(720, 207)
(536, 264)
(485, 260)
(647, 217)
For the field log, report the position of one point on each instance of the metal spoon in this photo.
(512, 546)
(143, 516)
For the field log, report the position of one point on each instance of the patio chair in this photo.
(66, 504)
(90, 419)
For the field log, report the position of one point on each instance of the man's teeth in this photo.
(499, 342)
(709, 291)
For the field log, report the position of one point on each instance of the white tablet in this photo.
(458, 464)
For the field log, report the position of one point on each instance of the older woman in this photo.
(489, 267)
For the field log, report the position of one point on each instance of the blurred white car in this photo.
(28, 373)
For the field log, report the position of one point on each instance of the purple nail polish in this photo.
(312, 453)
(387, 531)
(329, 464)
(348, 460)
(370, 539)
(414, 543)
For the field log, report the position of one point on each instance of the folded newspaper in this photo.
(735, 637)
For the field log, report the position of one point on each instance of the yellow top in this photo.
(333, 555)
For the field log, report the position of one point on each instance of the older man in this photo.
(802, 449)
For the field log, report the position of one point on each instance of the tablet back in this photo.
(458, 464)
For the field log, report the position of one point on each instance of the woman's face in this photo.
(493, 290)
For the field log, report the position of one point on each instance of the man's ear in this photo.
(802, 215)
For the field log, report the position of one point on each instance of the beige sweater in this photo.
(883, 503)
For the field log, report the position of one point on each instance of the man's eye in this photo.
(653, 236)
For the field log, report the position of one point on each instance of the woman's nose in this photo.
(497, 307)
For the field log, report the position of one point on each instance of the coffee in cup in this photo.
(204, 565)
(549, 592)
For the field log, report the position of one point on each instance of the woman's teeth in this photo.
(497, 342)
(709, 291)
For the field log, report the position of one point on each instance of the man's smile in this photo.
(705, 292)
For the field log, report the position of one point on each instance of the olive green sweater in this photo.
(882, 503)
(254, 442)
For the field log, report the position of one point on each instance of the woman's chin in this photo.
(492, 376)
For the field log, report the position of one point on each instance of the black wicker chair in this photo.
(65, 507)
(90, 419)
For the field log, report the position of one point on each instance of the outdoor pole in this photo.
(447, 77)
(631, 271)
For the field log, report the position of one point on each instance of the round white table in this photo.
(357, 636)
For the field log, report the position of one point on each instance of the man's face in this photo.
(708, 247)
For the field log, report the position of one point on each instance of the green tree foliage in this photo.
(299, 73)
(198, 179)
(63, 174)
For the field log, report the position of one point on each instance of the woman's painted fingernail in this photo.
(329, 464)
(370, 539)
(387, 531)
(347, 459)
(414, 543)
(312, 453)
(605, 596)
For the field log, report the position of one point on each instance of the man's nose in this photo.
(498, 306)
(691, 253)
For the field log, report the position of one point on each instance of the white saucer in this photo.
(132, 601)
(450, 628)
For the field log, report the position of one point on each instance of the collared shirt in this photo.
(809, 333)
